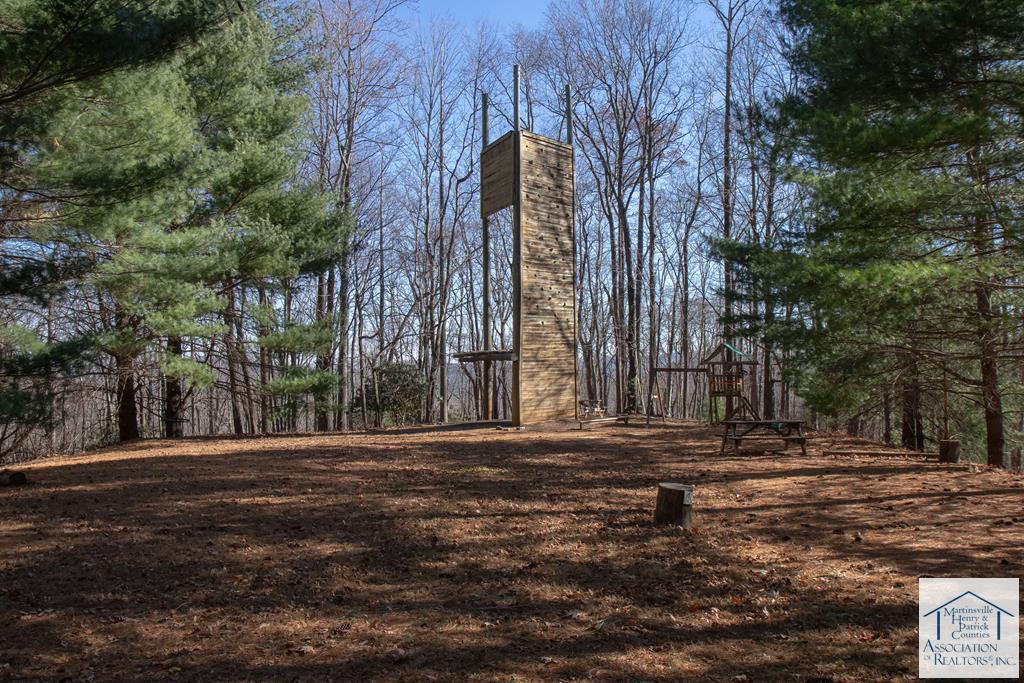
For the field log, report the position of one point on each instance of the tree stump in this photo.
(674, 504)
(949, 451)
(12, 478)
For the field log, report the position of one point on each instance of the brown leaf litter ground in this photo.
(485, 555)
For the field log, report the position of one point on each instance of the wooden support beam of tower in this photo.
(487, 409)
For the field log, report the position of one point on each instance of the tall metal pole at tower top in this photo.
(568, 114)
(515, 97)
(485, 105)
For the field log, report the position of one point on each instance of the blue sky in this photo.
(506, 13)
(529, 13)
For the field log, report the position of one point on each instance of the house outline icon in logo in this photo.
(938, 613)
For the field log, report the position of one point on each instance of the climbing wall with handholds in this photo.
(534, 175)
(546, 311)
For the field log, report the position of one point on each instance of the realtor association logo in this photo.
(969, 627)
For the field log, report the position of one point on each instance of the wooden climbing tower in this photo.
(533, 175)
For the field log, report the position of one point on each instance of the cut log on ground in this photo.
(674, 505)
(12, 478)
(949, 451)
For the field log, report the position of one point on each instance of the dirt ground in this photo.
(484, 555)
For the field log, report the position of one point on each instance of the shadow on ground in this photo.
(483, 555)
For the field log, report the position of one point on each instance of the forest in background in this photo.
(242, 218)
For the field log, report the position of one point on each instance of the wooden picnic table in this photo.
(790, 431)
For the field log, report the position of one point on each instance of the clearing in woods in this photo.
(484, 555)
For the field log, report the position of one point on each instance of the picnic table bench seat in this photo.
(739, 430)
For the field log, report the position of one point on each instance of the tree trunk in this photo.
(768, 388)
(229, 354)
(727, 194)
(341, 415)
(174, 397)
(632, 314)
(991, 398)
(652, 319)
(913, 422)
(127, 412)
(325, 311)
(264, 368)
(243, 364)
(886, 418)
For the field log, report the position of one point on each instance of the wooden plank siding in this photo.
(497, 175)
(545, 310)
(534, 175)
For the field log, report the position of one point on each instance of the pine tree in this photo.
(73, 91)
(246, 111)
(49, 44)
(157, 189)
(189, 277)
(909, 123)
